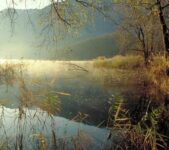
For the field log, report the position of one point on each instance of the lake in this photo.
(57, 104)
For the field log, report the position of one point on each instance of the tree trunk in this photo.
(164, 27)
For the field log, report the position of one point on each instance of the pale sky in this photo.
(24, 4)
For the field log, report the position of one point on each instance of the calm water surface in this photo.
(47, 104)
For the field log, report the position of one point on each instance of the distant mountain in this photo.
(22, 38)
(89, 49)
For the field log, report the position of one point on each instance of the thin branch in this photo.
(165, 6)
(87, 4)
(55, 6)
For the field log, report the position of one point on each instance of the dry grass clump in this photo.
(8, 73)
(120, 62)
(156, 77)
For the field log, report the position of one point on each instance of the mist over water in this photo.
(42, 97)
(66, 98)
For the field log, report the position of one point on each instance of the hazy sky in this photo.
(24, 4)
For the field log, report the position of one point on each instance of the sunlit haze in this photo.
(24, 4)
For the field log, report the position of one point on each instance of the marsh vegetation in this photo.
(84, 75)
(107, 103)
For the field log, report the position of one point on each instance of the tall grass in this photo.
(9, 72)
(150, 130)
(120, 62)
(143, 135)
(156, 78)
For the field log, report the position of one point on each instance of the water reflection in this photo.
(43, 104)
(72, 86)
(24, 128)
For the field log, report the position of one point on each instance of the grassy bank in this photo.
(146, 126)
(154, 77)
(119, 62)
